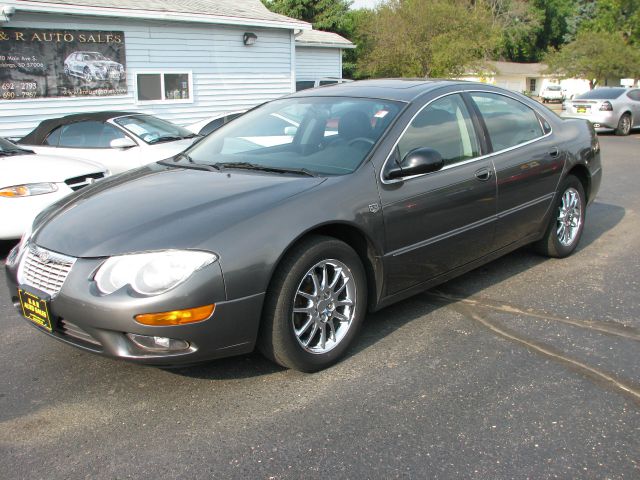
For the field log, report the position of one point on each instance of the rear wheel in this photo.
(624, 125)
(314, 306)
(566, 225)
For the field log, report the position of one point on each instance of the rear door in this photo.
(634, 102)
(528, 162)
(441, 220)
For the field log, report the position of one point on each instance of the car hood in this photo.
(158, 207)
(33, 168)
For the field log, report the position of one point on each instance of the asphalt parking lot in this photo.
(525, 368)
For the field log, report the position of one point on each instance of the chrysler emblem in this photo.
(43, 256)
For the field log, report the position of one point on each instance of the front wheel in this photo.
(314, 306)
(567, 222)
(624, 125)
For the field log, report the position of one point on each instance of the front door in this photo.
(442, 220)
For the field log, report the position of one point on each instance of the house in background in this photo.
(319, 57)
(181, 61)
(529, 78)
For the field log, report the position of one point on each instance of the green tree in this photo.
(328, 15)
(427, 38)
(596, 57)
(521, 23)
(616, 16)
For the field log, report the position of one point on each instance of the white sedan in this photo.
(118, 140)
(31, 182)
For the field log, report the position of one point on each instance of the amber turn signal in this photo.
(176, 317)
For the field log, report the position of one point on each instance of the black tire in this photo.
(553, 243)
(277, 339)
(624, 125)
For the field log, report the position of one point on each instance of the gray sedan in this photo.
(286, 239)
(607, 108)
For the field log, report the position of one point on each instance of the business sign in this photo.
(38, 63)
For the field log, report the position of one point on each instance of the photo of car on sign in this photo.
(384, 189)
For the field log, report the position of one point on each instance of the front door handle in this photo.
(554, 152)
(484, 174)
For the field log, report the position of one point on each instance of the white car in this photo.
(552, 93)
(118, 140)
(31, 182)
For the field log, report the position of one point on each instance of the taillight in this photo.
(606, 107)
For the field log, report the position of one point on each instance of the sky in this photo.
(364, 3)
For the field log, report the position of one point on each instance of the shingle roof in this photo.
(318, 38)
(251, 10)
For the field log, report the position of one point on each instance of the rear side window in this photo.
(53, 138)
(88, 134)
(634, 95)
(445, 126)
(509, 122)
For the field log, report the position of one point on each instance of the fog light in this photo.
(158, 344)
(176, 317)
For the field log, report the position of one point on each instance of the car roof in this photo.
(37, 136)
(400, 89)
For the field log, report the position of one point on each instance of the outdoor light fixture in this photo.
(249, 38)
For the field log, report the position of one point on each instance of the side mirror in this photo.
(122, 143)
(290, 131)
(417, 162)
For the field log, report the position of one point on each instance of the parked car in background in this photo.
(93, 66)
(552, 93)
(388, 188)
(607, 108)
(119, 140)
(319, 82)
(31, 182)
(211, 124)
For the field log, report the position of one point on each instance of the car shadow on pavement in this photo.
(601, 218)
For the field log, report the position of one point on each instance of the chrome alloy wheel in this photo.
(625, 124)
(324, 306)
(569, 217)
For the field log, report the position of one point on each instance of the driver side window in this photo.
(445, 126)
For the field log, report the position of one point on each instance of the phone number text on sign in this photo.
(23, 89)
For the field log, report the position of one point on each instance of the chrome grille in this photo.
(44, 270)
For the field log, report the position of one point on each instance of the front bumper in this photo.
(80, 316)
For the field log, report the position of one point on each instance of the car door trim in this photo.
(471, 226)
(471, 160)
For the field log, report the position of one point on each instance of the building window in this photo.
(161, 87)
(532, 84)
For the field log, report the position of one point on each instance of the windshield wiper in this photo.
(14, 152)
(165, 138)
(173, 162)
(265, 168)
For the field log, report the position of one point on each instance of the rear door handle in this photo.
(484, 174)
(554, 152)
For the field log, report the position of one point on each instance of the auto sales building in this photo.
(182, 61)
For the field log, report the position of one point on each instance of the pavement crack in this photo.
(608, 328)
(599, 376)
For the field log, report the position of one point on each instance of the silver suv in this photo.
(93, 66)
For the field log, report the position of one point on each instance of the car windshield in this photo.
(601, 94)
(94, 56)
(314, 135)
(554, 88)
(8, 148)
(152, 129)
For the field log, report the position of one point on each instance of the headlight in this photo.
(28, 190)
(151, 273)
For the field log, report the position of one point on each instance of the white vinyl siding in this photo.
(226, 74)
(316, 62)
